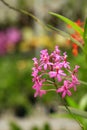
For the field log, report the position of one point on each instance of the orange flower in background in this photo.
(75, 49)
(77, 37)
(79, 23)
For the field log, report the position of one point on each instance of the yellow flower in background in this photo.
(22, 65)
(27, 34)
(32, 41)
(24, 46)
(60, 40)
(36, 42)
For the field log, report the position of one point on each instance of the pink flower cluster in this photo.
(56, 68)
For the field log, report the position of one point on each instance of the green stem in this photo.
(72, 113)
(75, 111)
(67, 108)
(83, 82)
(51, 90)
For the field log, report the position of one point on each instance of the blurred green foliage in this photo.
(14, 126)
(35, 128)
(15, 81)
(46, 127)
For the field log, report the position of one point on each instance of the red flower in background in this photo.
(76, 35)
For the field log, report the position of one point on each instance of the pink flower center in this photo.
(57, 69)
(45, 58)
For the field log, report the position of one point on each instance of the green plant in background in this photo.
(46, 127)
(15, 83)
(14, 126)
(34, 128)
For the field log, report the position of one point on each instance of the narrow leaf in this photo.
(70, 22)
(85, 31)
(71, 102)
(85, 37)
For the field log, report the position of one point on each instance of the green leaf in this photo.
(85, 31)
(85, 37)
(70, 22)
(71, 102)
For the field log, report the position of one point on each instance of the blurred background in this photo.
(21, 38)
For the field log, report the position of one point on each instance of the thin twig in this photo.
(51, 90)
(73, 116)
(24, 12)
(48, 85)
(50, 81)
